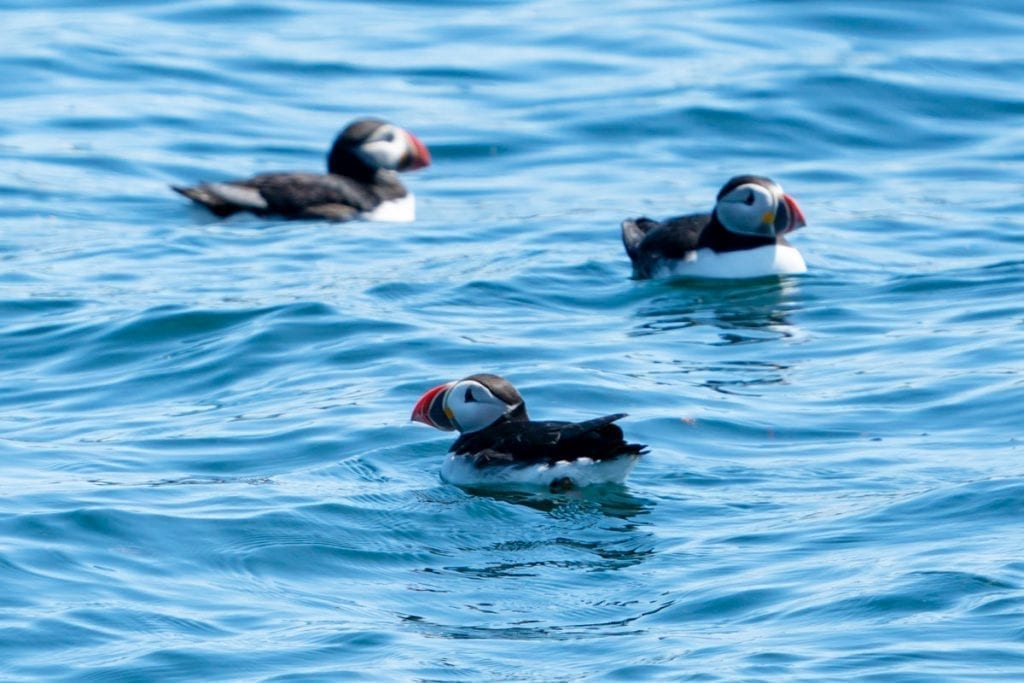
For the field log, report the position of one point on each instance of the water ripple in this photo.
(209, 467)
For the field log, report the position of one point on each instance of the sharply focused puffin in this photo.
(500, 445)
(744, 237)
(361, 181)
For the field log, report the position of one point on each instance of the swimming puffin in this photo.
(361, 181)
(500, 446)
(744, 237)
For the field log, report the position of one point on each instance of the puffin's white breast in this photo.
(401, 210)
(460, 471)
(773, 259)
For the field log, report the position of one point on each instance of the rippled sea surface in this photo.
(208, 469)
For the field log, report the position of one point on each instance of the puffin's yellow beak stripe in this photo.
(768, 218)
(450, 414)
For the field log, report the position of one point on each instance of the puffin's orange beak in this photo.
(796, 216)
(420, 157)
(430, 409)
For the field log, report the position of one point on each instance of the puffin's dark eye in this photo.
(469, 396)
(749, 201)
(388, 137)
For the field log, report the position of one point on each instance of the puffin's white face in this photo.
(760, 209)
(751, 209)
(389, 147)
(472, 406)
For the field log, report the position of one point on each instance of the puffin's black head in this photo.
(470, 404)
(369, 144)
(757, 206)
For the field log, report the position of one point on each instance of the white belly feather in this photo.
(773, 259)
(460, 471)
(401, 210)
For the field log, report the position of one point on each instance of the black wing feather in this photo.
(300, 195)
(529, 443)
(290, 194)
(648, 241)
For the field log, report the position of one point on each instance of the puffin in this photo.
(743, 237)
(499, 445)
(361, 181)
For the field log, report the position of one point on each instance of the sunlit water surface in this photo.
(208, 468)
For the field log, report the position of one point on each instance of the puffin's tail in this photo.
(632, 235)
(221, 198)
(634, 230)
(606, 429)
(200, 195)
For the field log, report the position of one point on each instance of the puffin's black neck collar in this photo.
(517, 415)
(344, 161)
(718, 238)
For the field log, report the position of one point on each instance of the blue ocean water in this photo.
(208, 469)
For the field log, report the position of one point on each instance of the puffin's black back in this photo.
(527, 443)
(648, 241)
(290, 194)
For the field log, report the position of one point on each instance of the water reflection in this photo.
(609, 500)
(535, 579)
(743, 377)
(598, 528)
(711, 315)
(740, 312)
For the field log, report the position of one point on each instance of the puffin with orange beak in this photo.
(743, 237)
(361, 181)
(499, 444)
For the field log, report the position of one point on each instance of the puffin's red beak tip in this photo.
(429, 408)
(421, 155)
(796, 216)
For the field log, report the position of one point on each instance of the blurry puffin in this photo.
(500, 445)
(361, 181)
(744, 237)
